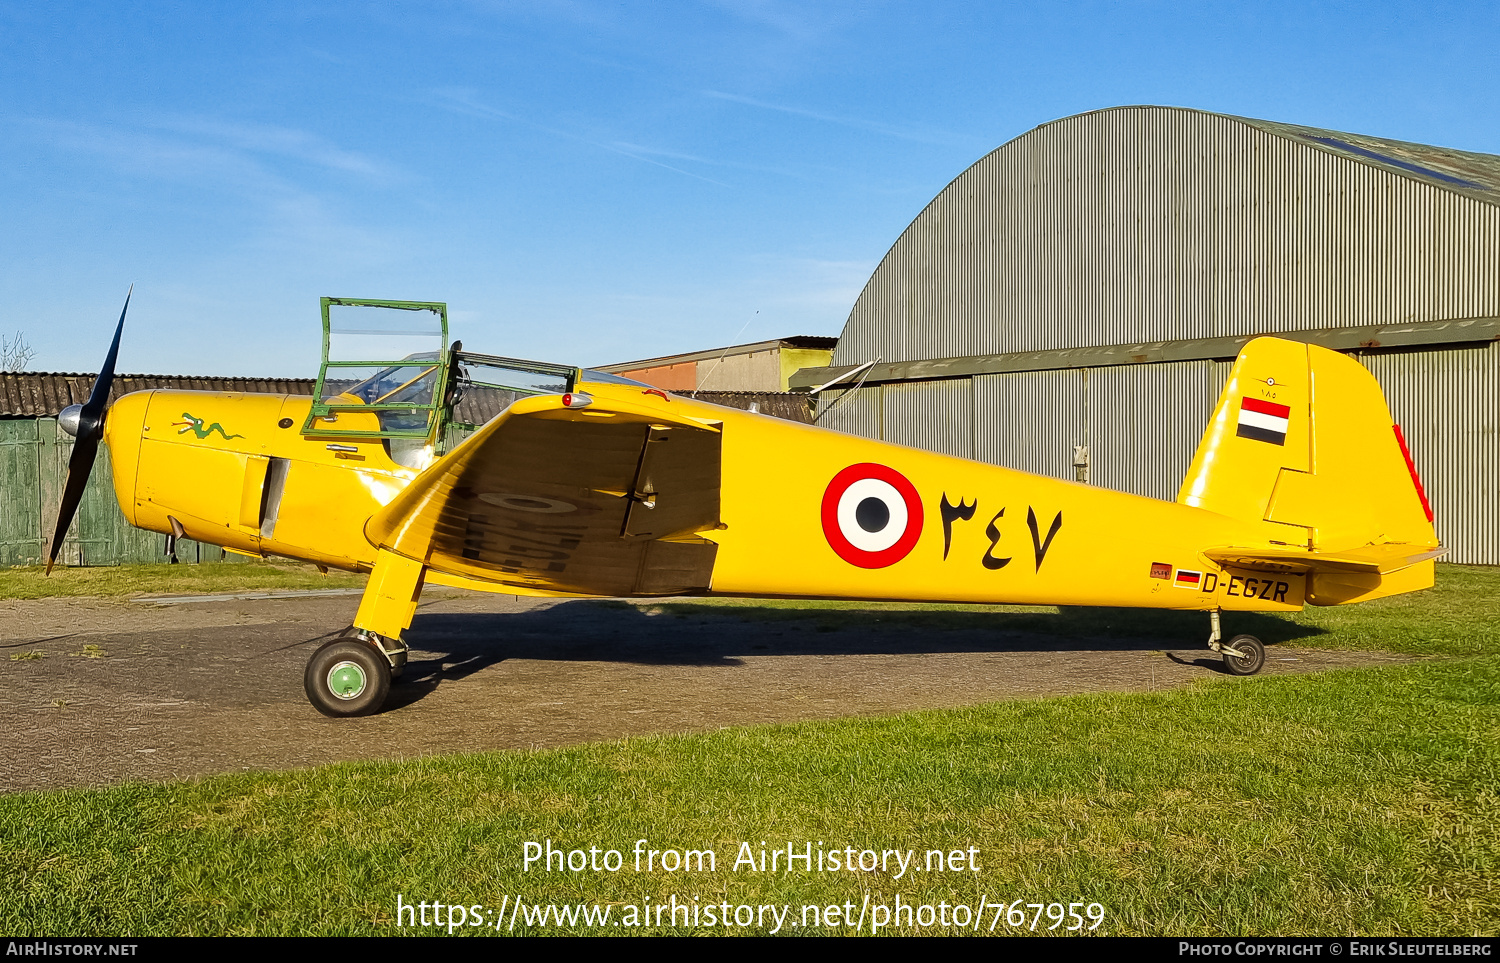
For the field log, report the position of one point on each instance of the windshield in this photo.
(386, 358)
(413, 382)
(489, 384)
(372, 331)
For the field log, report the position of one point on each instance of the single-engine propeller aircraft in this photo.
(573, 482)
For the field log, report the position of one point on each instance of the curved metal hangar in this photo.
(1070, 304)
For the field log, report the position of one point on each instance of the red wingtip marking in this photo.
(1412, 467)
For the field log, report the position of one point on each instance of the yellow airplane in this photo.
(579, 483)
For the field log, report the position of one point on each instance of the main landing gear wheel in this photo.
(1253, 657)
(347, 677)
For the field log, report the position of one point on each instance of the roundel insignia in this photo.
(872, 516)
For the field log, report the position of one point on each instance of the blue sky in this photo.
(594, 182)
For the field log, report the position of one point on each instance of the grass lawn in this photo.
(1353, 802)
(125, 581)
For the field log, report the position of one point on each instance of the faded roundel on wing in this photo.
(872, 516)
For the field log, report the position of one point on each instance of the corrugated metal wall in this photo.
(937, 415)
(1145, 422)
(1142, 423)
(856, 410)
(1448, 406)
(1030, 421)
(33, 469)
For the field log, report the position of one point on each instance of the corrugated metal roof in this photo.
(791, 405)
(1477, 175)
(796, 341)
(42, 394)
(1144, 224)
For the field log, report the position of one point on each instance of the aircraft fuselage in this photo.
(234, 470)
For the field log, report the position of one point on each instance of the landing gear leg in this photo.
(351, 676)
(1244, 655)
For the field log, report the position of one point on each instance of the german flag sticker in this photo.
(1188, 579)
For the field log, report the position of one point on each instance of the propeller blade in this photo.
(85, 448)
(86, 443)
(91, 419)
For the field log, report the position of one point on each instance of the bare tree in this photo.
(15, 353)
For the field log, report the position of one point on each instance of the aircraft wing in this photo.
(604, 501)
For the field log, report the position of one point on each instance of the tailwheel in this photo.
(347, 677)
(1252, 655)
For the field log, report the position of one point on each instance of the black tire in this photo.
(1255, 655)
(347, 678)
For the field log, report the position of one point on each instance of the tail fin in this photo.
(1302, 443)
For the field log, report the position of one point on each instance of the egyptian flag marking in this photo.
(1263, 420)
(1188, 580)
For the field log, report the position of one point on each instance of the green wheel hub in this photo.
(346, 681)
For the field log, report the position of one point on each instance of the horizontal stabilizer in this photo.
(1367, 559)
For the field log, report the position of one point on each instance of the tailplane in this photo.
(1302, 444)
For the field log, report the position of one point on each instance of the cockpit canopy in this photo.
(388, 374)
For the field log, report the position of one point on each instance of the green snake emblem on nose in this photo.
(195, 425)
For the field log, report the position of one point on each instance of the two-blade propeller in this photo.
(86, 424)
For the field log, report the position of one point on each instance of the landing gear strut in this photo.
(1244, 655)
(351, 676)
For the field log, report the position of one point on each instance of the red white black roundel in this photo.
(872, 516)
